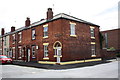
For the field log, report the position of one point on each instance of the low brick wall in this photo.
(108, 54)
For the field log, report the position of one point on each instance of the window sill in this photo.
(92, 27)
(73, 35)
(19, 42)
(45, 43)
(93, 43)
(13, 43)
(20, 57)
(45, 37)
(92, 37)
(33, 57)
(57, 56)
(33, 38)
(104, 48)
(46, 58)
(93, 56)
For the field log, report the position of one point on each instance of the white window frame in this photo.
(33, 51)
(5, 41)
(93, 49)
(73, 29)
(20, 37)
(45, 31)
(13, 52)
(92, 32)
(45, 50)
(20, 52)
(13, 38)
(33, 34)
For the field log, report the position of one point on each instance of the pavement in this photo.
(54, 66)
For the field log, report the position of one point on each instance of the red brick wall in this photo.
(108, 54)
(73, 48)
(113, 38)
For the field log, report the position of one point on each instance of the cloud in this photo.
(14, 12)
(109, 10)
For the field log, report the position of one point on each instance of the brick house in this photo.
(4, 43)
(1, 41)
(58, 38)
(111, 39)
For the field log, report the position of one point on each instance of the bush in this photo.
(118, 55)
(111, 49)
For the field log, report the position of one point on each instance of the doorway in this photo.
(28, 55)
(58, 50)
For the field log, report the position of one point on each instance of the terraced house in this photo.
(4, 43)
(56, 39)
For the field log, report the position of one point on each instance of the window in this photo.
(45, 31)
(23, 52)
(20, 51)
(13, 52)
(19, 37)
(5, 41)
(55, 51)
(33, 34)
(106, 40)
(92, 49)
(33, 51)
(45, 50)
(5, 51)
(72, 29)
(0, 42)
(13, 37)
(92, 32)
(10, 53)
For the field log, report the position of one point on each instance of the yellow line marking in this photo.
(70, 62)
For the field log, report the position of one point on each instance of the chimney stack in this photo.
(27, 22)
(12, 28)
(49, 14)
(2, 31)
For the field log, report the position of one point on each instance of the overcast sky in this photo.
(100, 12)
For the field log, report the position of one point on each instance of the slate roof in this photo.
(58, 16)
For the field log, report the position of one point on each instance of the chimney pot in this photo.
(27, 22)
(42, 19)
(49, 14)
(12, 29)
(2, 31)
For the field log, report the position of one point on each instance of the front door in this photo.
(58, 54)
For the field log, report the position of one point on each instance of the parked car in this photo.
(5, 59)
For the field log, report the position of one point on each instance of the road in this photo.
(106, 70)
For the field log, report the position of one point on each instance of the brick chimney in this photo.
(27, 22)
(49, 14)
(12, 28)
(2, 31)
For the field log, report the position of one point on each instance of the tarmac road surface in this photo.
(106, 70)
